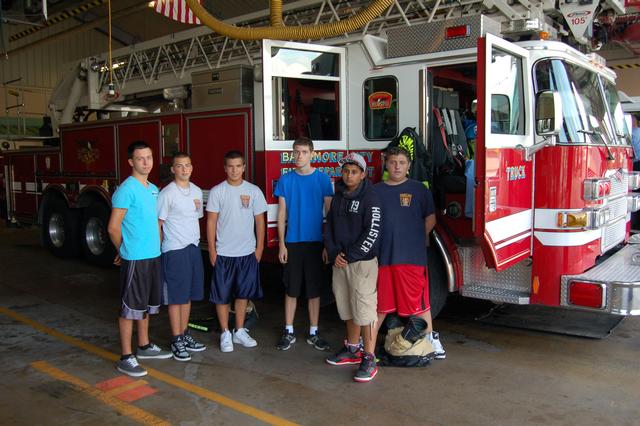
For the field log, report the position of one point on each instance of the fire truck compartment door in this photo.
(304, 94)
(503, 210)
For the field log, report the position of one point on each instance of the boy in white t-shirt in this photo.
(179, 211)
(234, 207)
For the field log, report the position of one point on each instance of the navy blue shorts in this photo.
(235, 277)
(183, 275)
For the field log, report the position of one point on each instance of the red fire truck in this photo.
(536, 213)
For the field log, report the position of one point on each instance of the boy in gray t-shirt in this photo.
(233, 208)
(179, 211)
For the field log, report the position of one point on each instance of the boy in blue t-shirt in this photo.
(134, 231)
(409, 216)
(302, 195)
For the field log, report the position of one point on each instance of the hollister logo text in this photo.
(380, 100)
(353, 207)
(405, 199)
(244, 199)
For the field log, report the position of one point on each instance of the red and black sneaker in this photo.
(346, 355)
(368, 369)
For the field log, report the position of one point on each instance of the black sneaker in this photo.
(346, 356)
(179, 350)
(191, 344)
(317, 342)
(286, 341)
(368, 369)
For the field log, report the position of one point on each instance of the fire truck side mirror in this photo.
(548, 113)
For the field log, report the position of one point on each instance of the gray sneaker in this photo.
(153, 352)
(179, 350)
(130, 367)
(285, 342)
(191, 344)
(318, 342)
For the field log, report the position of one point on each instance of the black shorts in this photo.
(303, 269)
(140, 287)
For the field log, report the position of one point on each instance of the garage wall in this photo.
(42, 66)
(627, 80)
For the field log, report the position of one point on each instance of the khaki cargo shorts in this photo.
(354, 287)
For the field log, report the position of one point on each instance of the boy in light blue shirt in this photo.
(134, 231)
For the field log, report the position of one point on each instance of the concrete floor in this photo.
(59, 339)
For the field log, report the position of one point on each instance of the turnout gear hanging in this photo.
(421, 165)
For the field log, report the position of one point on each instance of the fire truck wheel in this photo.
(96, 245)
(59, 228)
(438, 291)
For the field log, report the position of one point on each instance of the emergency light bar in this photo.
(597, 189)
(597, 60)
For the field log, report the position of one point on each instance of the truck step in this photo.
(479, 291)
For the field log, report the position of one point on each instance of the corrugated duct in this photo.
(280, 32)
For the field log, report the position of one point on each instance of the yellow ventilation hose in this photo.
(280, 32)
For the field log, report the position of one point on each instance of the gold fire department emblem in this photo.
(405, 199)
(244, 200)
(87, 153)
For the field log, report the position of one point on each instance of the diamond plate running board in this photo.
(478, 291)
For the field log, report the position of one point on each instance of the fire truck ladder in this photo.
(168, 61)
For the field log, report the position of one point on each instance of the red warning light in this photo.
(459, 31)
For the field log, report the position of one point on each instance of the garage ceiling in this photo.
(623, 35)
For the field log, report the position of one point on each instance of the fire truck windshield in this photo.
(586, 119)
(623, 132)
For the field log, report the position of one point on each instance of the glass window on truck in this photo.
(380, 108)
(617, 114)
(583, 107)
(507, 99)
(305, 94)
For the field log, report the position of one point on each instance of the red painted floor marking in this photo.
(107, 385)
(135, 393)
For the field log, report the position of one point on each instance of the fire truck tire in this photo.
(60, 228)
(96, 245)
(438, 291)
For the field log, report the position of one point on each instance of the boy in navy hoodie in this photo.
(351, 241)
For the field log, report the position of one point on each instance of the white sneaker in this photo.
(434, 338)
(242, 337)
(226, 345)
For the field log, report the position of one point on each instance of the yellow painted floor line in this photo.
(121, 407)
(200, 391)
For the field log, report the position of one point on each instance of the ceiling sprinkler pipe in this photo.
(305, 32)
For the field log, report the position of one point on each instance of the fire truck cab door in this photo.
(503, 210)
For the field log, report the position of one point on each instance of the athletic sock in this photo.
(353, 348)
(147, 346)
(313, 330)
(123, 357)
(289, 328)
